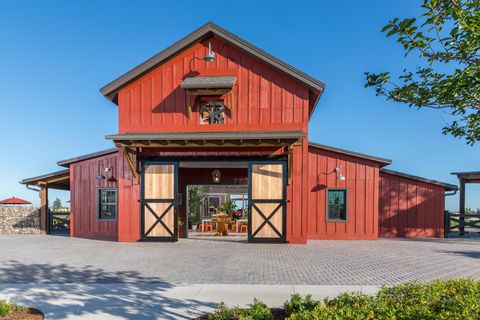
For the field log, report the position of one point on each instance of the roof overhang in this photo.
(67, 162)
(207, 139)
(447, 186)
(468, 176)
(210, 29)
(54, 180)
(382, 161)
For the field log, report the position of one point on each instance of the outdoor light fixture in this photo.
(216, 176)
(340, 176)
(102, 177)
(210, 56)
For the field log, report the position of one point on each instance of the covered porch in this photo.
(58, 180)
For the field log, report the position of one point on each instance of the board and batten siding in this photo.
(362, 183)
(83, 196)
(410, 208)
(262, 95)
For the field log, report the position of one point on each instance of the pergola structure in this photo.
(464, 178)
(59, 180)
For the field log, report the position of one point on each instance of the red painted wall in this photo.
(262, 95)
(362, 181)
(410, 208)
(83, 196)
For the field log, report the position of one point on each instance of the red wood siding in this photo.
(362, 181)
(262, 95)
(410, 208)
(83, 196)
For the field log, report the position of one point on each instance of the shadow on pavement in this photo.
(62, 291)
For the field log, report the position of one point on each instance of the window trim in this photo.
(327, 209)
(99, 190)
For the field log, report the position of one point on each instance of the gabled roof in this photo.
(210, 29)
(447, 186)
(383, 161)
(67, 162)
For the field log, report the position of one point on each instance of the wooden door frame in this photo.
(174, 200)
(283, 202)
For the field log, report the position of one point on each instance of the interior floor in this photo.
(232, 237)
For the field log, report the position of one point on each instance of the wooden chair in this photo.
(208, 227)
(243, 227)
(233, 227)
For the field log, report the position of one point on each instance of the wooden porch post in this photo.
(43, 208)
(461, 227)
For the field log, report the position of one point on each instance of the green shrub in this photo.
(222, 312)
(438, 300)
(5, 308)
(297, 304)
(256, 311)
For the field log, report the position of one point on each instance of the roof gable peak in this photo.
(207, 30)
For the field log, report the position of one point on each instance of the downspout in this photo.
(446, 228)
(454, 192)
(31, 188)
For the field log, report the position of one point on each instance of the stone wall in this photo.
(19, 220)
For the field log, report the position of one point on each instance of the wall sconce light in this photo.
(340, 176)
(102, 177)
(216, 176)
(210, 56)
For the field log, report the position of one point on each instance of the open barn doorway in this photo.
(214, 200)
(217, 212)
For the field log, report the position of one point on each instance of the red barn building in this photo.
(213, 103)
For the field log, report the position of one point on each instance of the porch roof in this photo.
(217, 82)
(207, 139)
(468, 176)
(54, 180)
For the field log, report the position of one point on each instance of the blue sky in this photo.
(55, 55)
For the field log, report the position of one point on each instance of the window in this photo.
(107, 204)
(212, 112)
(337, 205)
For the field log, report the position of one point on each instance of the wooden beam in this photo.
(130, 163)
(290, 163)
(208, 143)
(43, 208)
(462, 206)
(208, 92)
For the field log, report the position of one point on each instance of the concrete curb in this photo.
(154, 301)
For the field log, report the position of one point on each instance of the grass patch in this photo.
(10, 311)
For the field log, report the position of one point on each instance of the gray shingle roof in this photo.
(218, 82)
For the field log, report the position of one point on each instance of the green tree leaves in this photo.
(447, 38)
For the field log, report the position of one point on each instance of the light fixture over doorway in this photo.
(216, 176)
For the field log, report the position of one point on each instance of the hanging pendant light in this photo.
(210, 56)
(216, 176)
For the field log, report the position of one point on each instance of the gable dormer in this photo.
(212, 80)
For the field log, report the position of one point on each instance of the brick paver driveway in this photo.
(50, 259)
